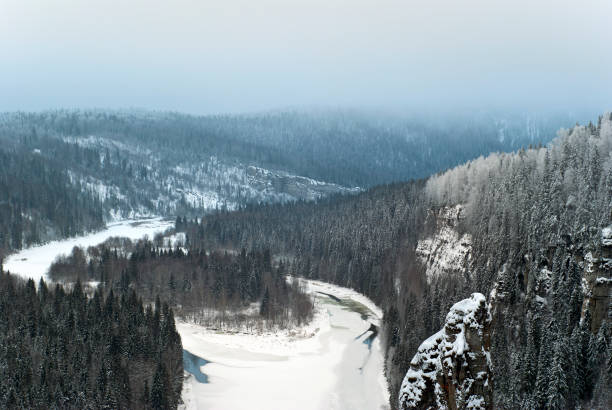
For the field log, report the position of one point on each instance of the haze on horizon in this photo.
(207, 57)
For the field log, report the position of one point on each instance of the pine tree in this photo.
(558, 389)
(144, 398)
(530, 359)
(544, 367)
(578, 363)
(264, 308)
(158, 398)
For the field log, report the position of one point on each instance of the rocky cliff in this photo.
(451, 369)
(445, 251)
(597, 280)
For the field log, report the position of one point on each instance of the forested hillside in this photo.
(540, 222)
(531, 230)
(64, 172)
(349, 148)
(536, 229)
(38, 201)
(61, 349)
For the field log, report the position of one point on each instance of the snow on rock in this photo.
(451, 369)
(597, 280)
(603, 281)
(544, 282)
(446, 251)
(606, 236)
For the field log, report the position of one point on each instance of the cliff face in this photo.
(451, 369)
(597, 280)
(446, 251)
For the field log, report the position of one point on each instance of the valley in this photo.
(422, 293)
(325, 364)
(305, 205)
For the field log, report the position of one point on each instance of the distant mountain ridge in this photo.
(139, 163)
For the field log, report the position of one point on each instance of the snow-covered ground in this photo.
(34, 262)
(324, 365)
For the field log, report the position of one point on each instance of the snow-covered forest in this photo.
(524, 238)
(65, 172)
(218, 289)
(60, 348)
(538, 225)
(306, 204)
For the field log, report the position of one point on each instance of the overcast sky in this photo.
(210, 56)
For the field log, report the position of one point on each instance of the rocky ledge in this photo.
(451, 369)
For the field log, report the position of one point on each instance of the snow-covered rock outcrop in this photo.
(451, 369)
(446, 251)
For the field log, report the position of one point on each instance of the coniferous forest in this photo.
(216, 288)
(66, 172)
(38, 202)
(539, 225)
(60, 348)
(306, 204)
(535, 226)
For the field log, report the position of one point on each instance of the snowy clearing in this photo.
(34, 262)
(324, 365)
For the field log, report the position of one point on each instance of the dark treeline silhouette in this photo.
(340, 239)
(218, 289)
(61, 349)
(536, 219)
(38, 203)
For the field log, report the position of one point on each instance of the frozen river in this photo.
(328, 365)
(325, 365)
(35, 261)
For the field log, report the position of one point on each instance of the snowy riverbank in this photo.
(324, 365)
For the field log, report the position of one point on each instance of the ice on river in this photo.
(325, 367)
(34, 262)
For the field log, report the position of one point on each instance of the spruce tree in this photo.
(158, 398)
(264, 309)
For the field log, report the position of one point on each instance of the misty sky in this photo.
(211, 56)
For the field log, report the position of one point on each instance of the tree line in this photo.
(218, 289)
